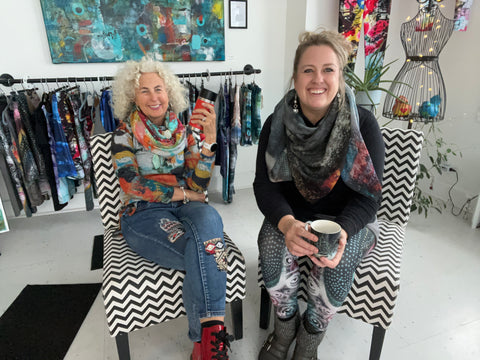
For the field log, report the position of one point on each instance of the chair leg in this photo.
(123, 348)
(265, 308)
(236, 307)
(378, 336)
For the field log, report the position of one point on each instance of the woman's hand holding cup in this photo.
(324, 261)
(331, 242)
(296, 236)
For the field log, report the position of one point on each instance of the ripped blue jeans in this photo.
(187, 237)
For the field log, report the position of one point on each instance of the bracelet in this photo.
(185, 198)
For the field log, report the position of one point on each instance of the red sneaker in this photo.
(215, 343)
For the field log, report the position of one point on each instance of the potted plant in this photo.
(368, 90)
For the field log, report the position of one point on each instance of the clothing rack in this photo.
(8, 80)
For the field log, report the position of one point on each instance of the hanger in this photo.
(76, 86)
(105, 84)
(59, 88)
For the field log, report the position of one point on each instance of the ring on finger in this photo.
(204, 119)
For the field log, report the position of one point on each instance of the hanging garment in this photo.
(68, 124)
(24, 105)
(12, 192)
(74, 101)
(66, 167)
(87, 113)
(10, 172)
(26, 159)
(40, 124)
(236, 126)
(227, 124)
(256, 115)
(60, 183)
(375, 16)
(235, 136)
(33, 100)
(96, 116)
(223, 135)
(462, 14)
(106, 111)
(221, 154)
(246, 116)
(192, 95)
(65, 163)
(231, 173)
(12, 141)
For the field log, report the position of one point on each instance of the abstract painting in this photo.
(82, 31)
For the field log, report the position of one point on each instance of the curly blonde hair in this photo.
(127, 80)
(341, 47)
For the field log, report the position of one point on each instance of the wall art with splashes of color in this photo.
(82, 31)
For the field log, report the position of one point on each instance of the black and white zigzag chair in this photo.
(137, 292)
(377, 279)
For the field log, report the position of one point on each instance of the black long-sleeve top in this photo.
(348, 208)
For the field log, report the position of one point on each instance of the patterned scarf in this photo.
(316, 157)
(166, 142)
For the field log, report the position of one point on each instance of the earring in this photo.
(295, 104)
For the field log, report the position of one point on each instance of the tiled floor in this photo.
(437, 315)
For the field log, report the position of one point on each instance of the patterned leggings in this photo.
(327, 288)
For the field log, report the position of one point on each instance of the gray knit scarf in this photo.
(316, 157)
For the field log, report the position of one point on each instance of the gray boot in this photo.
(278, 342)
(307, 344)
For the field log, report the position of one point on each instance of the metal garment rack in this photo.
(9, 80)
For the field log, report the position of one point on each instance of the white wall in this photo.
(269, 44)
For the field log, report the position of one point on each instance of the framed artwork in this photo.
(238, 14)
(82, 31)
(3, 219)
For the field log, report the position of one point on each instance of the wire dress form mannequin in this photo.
(419, 84)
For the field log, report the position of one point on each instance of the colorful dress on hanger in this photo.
(14, 177)
(462, 14)
(375, 17)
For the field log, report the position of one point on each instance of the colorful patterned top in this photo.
(150, 161)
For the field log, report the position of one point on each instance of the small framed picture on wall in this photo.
(238, 14)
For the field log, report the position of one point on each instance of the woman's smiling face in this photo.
(317, 81)
(151, 97)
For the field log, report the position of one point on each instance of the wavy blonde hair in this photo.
(340, 46)
(127, 80)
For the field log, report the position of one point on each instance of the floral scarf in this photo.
(316, 157)
(164, 141)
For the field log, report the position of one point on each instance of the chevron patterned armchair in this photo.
(138, 293)
(377, 279)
